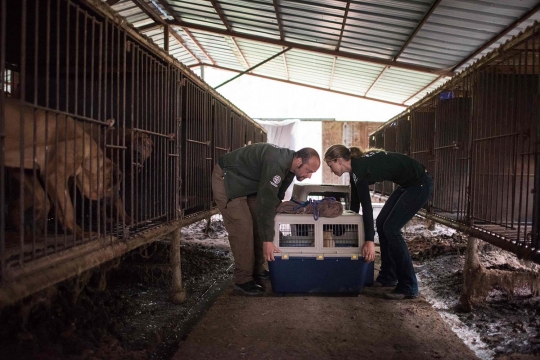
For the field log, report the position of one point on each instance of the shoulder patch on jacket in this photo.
(275, 181)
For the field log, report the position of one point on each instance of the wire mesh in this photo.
(297, 235)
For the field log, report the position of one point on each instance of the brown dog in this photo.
(139, 147)
(62, 150)
(36, 205)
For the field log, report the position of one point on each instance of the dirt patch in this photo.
(507, 324)
(132, 318)
(155, 324)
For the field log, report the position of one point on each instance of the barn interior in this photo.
(110, 132)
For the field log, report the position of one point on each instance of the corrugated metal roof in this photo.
(386, 50)
(464, 26)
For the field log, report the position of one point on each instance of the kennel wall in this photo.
(478, 136)
(79, 59)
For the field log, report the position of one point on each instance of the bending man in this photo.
(248, 184)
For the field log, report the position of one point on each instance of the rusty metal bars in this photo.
(152, 133)
(89, 95)
(378, 142)
(422, 130)
(238, 135)
(479, 136)
(221, 124)
(390, 144)
(3, 88)
(197, 154)
(46, 93)
(222, 129)
(174, 105)
(403, 135)
(450, 175)
(503, 143)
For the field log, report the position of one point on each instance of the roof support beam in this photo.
(411, 37)
(253, 67)
(148, 10)
(112, 2)
(512, 26)
(376, 80)
(149, 27)
(423, 89)
(192, 38)
(278, 18)
(165, 5)
(181, 42)
(343, 24)
(166, 31)
(286, 66)
(240, 51)
(218, 10)
(314, 87)
(332, 74)
(424, 20)
(315, 49)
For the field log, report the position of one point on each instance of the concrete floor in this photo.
(321, 327)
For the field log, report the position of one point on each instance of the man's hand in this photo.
(269, 249)
(368, 251)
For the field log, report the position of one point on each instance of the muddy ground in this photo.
(132, 318)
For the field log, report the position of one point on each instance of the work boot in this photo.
(265, 275)
(250, 288)
(396, 295)
(380, 284)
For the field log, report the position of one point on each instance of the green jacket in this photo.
(261, 169)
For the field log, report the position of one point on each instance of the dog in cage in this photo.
(59, 149)
(139, 147)
(36, 205)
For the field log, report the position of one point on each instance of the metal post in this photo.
(536, 196)
(177, 294)
(166, 39)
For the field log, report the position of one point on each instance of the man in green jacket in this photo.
(248, 184)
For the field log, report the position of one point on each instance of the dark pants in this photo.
(401, 206)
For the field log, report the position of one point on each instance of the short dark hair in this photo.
(306, 153)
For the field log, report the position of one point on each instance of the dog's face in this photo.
(99, 176)
(141, 149)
